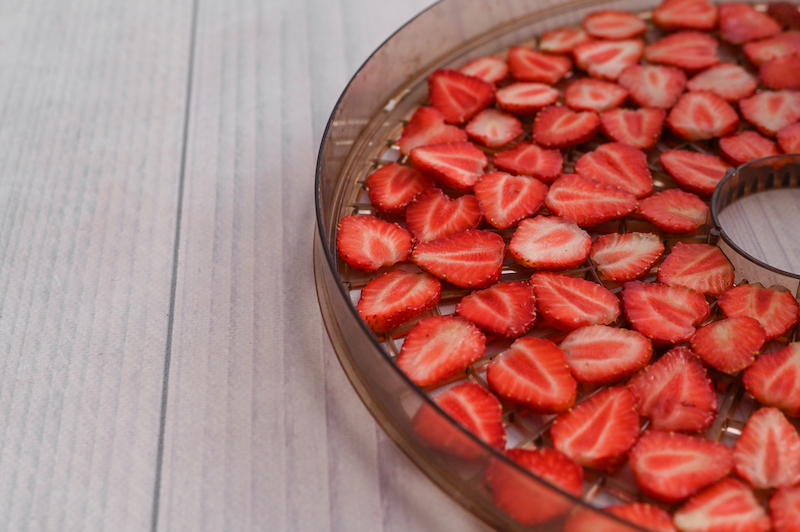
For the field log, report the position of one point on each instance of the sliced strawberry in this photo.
(741, 23)
(727, 80)
(567, 302)
(746, 146)
(674, 211)
(459, 97)
(781, 45)
(427, 126)
(645, 515)
(559, 126)
(457, 165)
(701, 267)
(526, 98)
(440, 347)
(781, 73)
(674, 15)
(433, 215)
(774, 379)
(626, 257)
(671, 466)
(727, 505)
(789, 138)
(533, 373)
(587, 201)
(589, 94)
(702, 115)
(665, 314)
(562, 40)
(619, 165)
(729, 345)
(469, 259)
(550, 243)
(639, 128)
(771, 111)
(396, 298)
(598, 354)
(606, 59)
(367, 243)
(504, 309)
(493, 128)
(767, 454)
(689, 50)
(506, 199)
(694, 172)
(775, 308)
(613, 24)
(490, 69)
(784, 508)
(785, 13)
(653, 85)
(392, 186)
(527, 64)
(527, 158)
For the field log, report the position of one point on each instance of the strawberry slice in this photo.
(689, 50)
(567, 302)
(674, 211)
(367, 243)
(558, 126)
(440, 347)
(674, 15)
(767, 454)
(785, 13)
(459, 97)
(392, 186)
(729, 345)
(434, 215)
(490, 69)
(619, 165)
(606, 59)
(694, 172)
(774, 379)
(672, 466)
(771, 111)
(727, 80)
(457, 165)
(789, 138)
(645, 515)
(665, 314)
(640, 128)
(504, 309)
(613, 24)
(782, 45)
(527, 64)
(562, 40)
(550, 243)
(427, 126)
(702, 115)
(781, 73)
(784, 508)
(598, 354)
(526, 98)
(626, 257)
(587, 201)
(746, 146)
(775, 308)
(741, 23)
(493, 128)
(727, 505)
(533, 373)
(396, 298)
(701, 267)
(527, 158)
(653, 85)
(589, 94)
(506, 199)
(469, 259)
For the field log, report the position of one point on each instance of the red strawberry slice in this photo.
(526, 98)
(701, 267)
(490, 69)
(533, 373)
(391, 187)
(727, 80)
(674, 15)
(427, 126)
(665, 314)
(396, 298)
(367, 243)
(459, 97)
(457, 165)
(653, 85)
(727, 505)
(781, 73)
(626, 257)
(771, 111)
(562, 40)
(694, 172)
(689, 50)
(767, 454)
(606, 59)
(526, 64)
(782, 45)
(469, 259)
(671, 466)
(640, 128)
(587, 201)
(674, 211)
(438, 348)
(506, 199)
(567, 302)
(741, 23)
(493, 128)
(598, 354)
(433, 215)
(775, 308)
(550, 243)
(702, 115)
(504, 309)
(645, 515)
(559, 126)
(774, 379)
(729, 345)
(613, 24)
(589, 94)
(527, 158)
(785, 13)
(619, 165)
(746, 146)
(789, 138)
(784, 508)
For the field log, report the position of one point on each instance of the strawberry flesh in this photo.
(767, 454)
(550, 243)
(747, 146)
(526, 98)
(775, 308)
(701, 116)
(674, 211)
(784, 509)
(728, 81)
(559, 126)
(527, 64)
(396, 298)
(727, 505)
(613, 24)
(506, 199)
(598, 354)
(729, 345)
(626, 257)
(789, 138)
(434, 215)
(562, 40)
(694, 172)
(665, 314)
(740, 23)
(469, 259)
(774, 379)
(493, 128)
(427, 126)
(589, 94)
(457, 165)
(368, 243)
(567, 302)
(587, 201)
(701, 267)
(619, 165)
(490, 69)
(653, 85)
(459, 97)
(504, 309)
(639, 128)
(771, 111)
(781, 73)
(673, 15)
(527, 158)
(392, 187)
(647, 516)
(782, 45)
(689, 50)
(607, 59)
